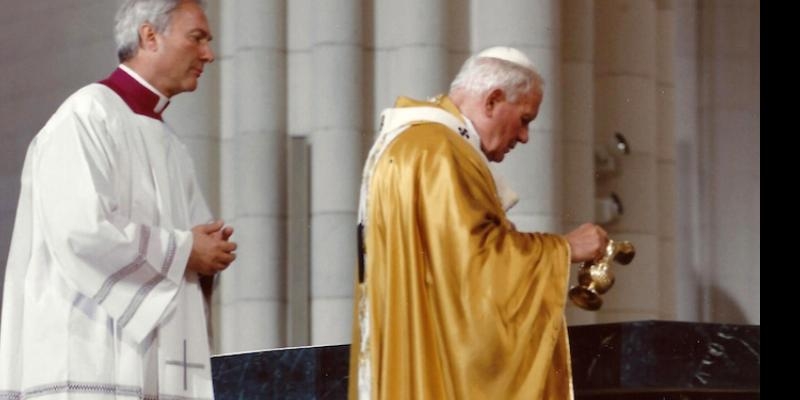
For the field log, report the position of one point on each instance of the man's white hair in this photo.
(132, 14)
(500, 67)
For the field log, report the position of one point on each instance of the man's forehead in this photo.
(189, 10)
(192, 17)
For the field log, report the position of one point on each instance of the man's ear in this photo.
(490, 102)
(147, 37)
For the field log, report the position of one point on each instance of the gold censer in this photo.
(595, 277)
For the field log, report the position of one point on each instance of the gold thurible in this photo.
(595, 277)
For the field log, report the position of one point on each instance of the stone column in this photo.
(336, 161)
(665, 118)
(689, 268)
(253, 179)
(625, 102)
(730, 171)
(577, 66)
(410, 50)
(534, 169)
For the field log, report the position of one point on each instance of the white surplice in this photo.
(97, 302)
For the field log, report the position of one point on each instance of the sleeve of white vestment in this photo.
(131, 270)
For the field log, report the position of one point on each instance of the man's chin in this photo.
(190, 86)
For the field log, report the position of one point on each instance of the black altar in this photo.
(644, 360)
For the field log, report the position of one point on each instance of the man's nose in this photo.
(208, 54)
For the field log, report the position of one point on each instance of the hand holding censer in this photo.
(595, 277)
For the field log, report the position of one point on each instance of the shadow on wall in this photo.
(724, 307)
(711, 303)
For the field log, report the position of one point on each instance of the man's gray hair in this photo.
(502, 68)
(134, 13)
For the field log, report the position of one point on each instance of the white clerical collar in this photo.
(508, 197)
(474, 138)
(162, 99)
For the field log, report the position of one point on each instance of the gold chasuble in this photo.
(455, 303)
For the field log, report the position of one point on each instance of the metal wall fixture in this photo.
(609, 208)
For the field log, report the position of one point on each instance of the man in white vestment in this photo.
(112, 235)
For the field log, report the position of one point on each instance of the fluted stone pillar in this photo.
(626, 102)
(254, 154)
(410, 50)
(690, 268)
(534, 169)
(665, 118)
(577, 34)
(457, 36)
(195, 118)
(224, 311)
(730, 171)
(336, 161)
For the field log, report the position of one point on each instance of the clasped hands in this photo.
(211, 250)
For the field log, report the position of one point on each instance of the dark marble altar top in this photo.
(665, 355)
(630, 357)
(315, 372)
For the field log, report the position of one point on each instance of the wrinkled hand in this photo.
(588, 242)
(211, 250)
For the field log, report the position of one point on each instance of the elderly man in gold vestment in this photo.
(452, 301)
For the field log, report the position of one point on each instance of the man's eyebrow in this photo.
(204, 33)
